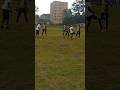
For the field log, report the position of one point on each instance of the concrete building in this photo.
(57, 9)
(45, 18)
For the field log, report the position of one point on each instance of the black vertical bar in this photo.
(102, 50)
(17, 53)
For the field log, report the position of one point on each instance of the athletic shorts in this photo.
(37, 32)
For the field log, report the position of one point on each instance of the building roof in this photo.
(45, 16)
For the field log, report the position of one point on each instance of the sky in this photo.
(44, 5)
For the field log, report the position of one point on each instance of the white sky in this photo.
(44, 5)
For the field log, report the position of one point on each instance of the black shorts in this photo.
(44, 30)
(37, 32)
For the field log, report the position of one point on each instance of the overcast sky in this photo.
(44, 5)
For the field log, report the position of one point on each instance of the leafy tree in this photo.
(37, 19)
(36, 9)
(68, 18)
(76, 14)
(78, 10)
(78, 6)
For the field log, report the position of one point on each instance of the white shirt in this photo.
(5, 5)
(71, 29)
(38, 27)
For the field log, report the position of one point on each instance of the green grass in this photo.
(60, 63)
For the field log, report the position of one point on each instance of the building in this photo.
(57, 9)
(45, 18)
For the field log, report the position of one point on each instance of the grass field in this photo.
(60, 63)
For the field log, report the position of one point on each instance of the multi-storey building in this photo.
(57, 9)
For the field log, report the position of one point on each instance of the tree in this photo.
(76, 14)
(37, 18)
(78, 6)
(36, 9)
(68, 18)
(36, 15)
(78, 10)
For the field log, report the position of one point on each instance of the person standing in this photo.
(38, 30)
(22, 8)
(67, 32)
(44, 29)
(78, 30)
(6, 9)
(64, 30)
(71, 32)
